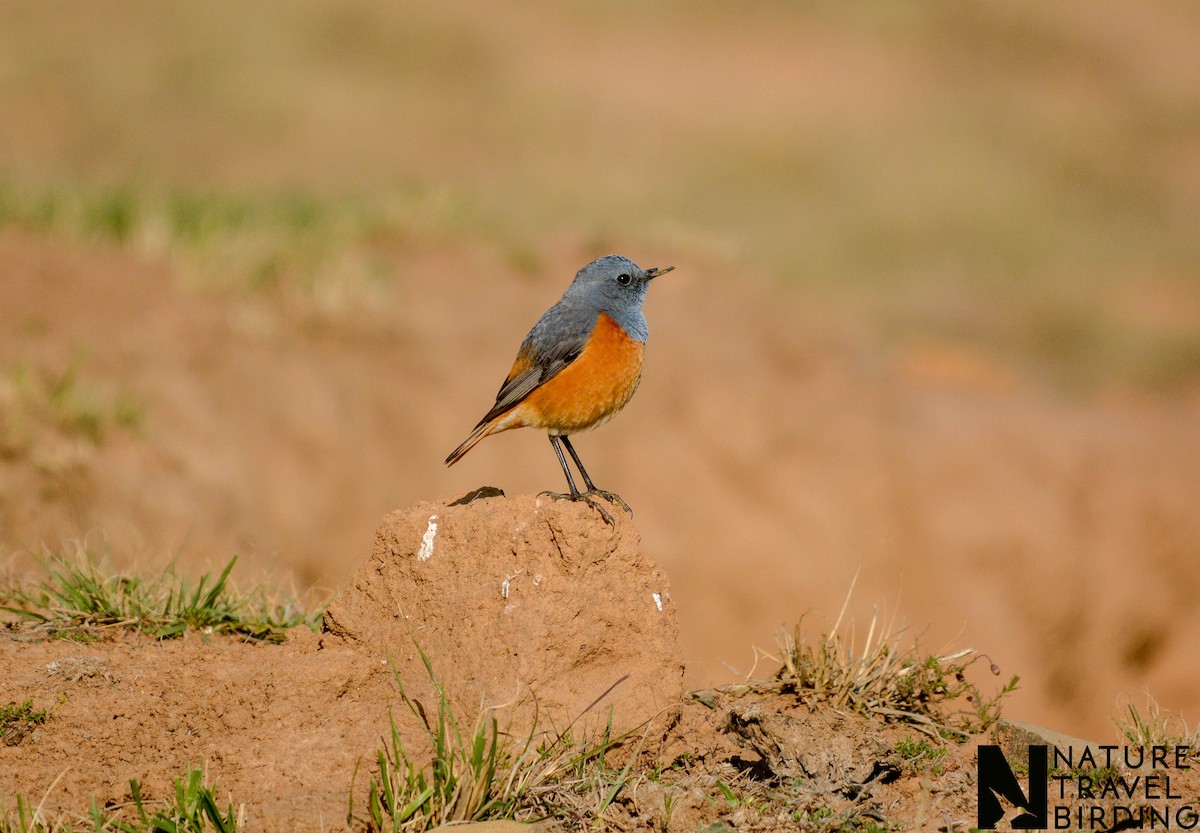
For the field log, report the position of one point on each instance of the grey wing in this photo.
(555, 341)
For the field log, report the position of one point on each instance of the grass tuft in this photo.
(194, 809)
(882, 679)
(79, 599)
(487, 773)
(1154, 728)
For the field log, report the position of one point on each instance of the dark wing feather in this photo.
(554, 342)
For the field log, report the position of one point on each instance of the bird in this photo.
(577, 368)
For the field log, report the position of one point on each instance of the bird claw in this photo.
(611, 497)
(587, 497)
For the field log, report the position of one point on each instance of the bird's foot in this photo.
(589, 497)
(611, 497)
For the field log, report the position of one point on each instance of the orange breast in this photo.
(591, 389)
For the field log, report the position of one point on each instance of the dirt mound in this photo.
(517, 597)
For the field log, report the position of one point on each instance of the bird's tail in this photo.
(481, 431)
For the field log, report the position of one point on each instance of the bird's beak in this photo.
(655, 271)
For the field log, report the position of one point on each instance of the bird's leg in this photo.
(591, 487)
(575, 494)
(562, 461)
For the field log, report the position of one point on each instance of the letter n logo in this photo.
(997, 782)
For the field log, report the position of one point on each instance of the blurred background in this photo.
(935, 322)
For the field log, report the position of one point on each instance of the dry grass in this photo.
(1157, 728)
(887, 677)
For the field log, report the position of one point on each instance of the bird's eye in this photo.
(623, 279)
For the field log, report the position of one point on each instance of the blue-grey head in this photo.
(617, 286)
(614, 285)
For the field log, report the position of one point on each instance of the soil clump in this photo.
(532, 602)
